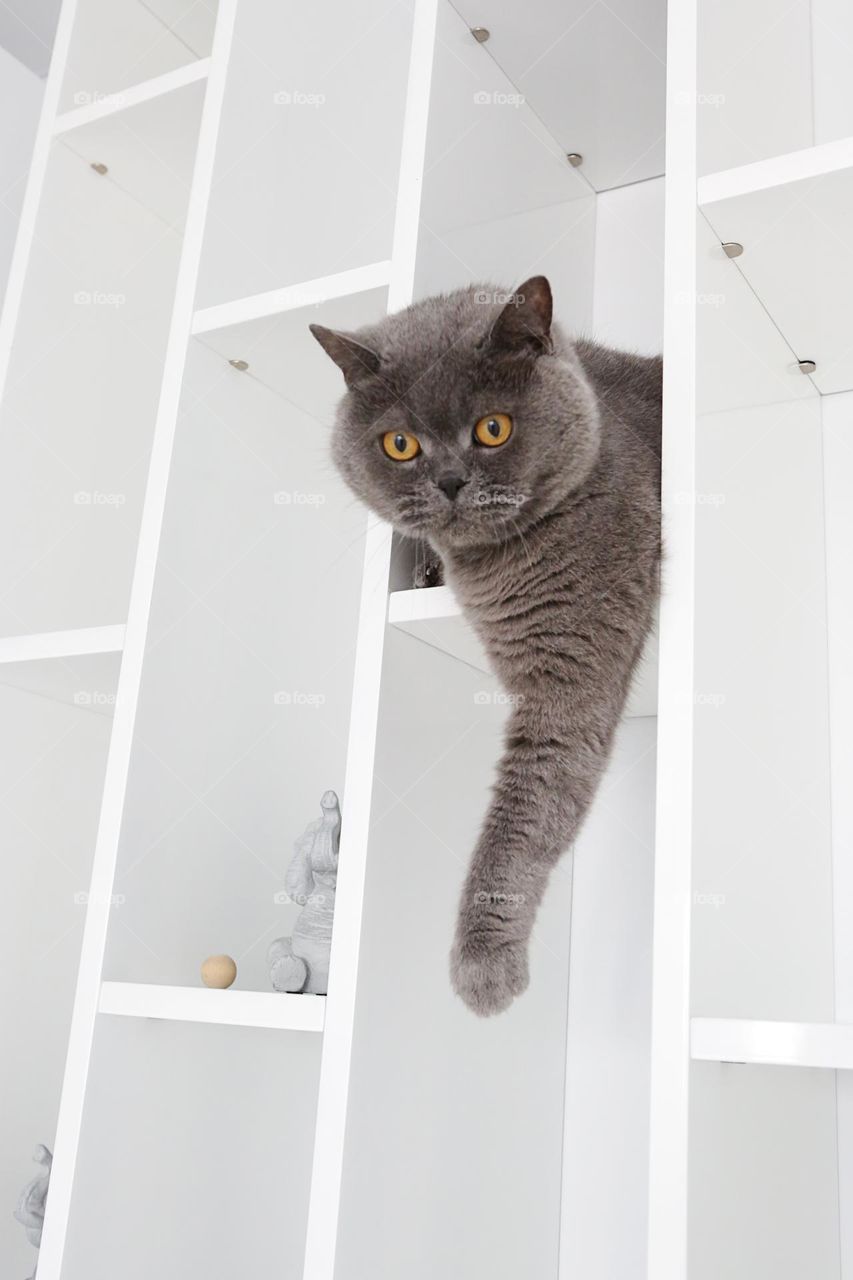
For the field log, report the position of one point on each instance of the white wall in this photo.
(628, 294)
(763, 1174)
(20, 104)
(772, 82)
(194, 1150)
(762, 859)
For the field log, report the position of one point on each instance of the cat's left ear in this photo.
(356, 362)
(524, 325)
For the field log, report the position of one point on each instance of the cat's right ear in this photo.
(356, 362)
(524, 325)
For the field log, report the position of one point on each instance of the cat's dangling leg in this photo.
(547, 778)
(287, 971)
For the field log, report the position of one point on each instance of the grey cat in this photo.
(531, 463)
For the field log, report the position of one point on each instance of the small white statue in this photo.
(30, 1210)
(301, 962)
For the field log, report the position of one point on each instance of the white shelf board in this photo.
(274, 1009)
(116, 44)
(785, 1044)
(745, 360)
(433, 616)
(310, 293)
(792, 215)
(148, 146)
(62, 644)
(112, 103)
(303, 377)
(79, 668)
(795, 166)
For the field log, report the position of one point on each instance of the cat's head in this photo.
(466, 415)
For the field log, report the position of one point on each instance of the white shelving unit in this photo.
(84, 320)
(206, 182)
(169, 145)
(751, 1128)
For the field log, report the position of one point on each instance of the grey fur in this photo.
(552, 546)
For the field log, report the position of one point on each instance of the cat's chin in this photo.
(462, 534)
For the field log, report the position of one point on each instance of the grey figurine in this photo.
(30, 1210)
(301, 962)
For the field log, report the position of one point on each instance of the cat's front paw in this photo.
(488, 973)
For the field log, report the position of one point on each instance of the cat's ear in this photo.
(356, 362)
(524, 325)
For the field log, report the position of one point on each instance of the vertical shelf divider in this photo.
(670, 1062)
(115, 782)
(330, 1132)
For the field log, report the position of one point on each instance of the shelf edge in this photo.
(292, 297)
(422, 604)
(111, 104)
(778, 171)
(266, 1009)
(76, 643)
(827, 1045)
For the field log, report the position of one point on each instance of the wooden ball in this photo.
(218, 971)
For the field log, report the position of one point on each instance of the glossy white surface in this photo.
(233, 1008)
(117, 44)
(786, 1044)
(172, 1100)
(793, 219)
(308, 155)
(593, 73)
(100, 108)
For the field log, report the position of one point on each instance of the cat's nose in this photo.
(451, 485)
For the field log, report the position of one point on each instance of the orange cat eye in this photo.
(493, 430)
(401, 446)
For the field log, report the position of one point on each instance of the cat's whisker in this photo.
(515, 525)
